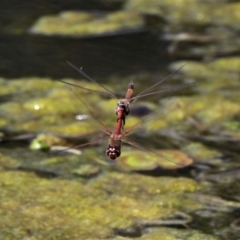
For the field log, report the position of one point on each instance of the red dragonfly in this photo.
(123, 108)
(124, 103)
(116, 138)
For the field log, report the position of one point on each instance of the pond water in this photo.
(185, 185)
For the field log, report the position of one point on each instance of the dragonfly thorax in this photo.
(123, 104)
(115, 139)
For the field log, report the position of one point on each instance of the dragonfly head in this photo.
(131, 85)
(113, 152)
(121, 103)
(124, 105)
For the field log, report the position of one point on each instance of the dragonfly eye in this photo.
(112, 156)
(131, 86)
(113, 152)
(121, 105)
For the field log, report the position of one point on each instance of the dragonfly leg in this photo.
(123, 121)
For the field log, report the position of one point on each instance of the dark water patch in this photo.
(27, 55)
(42, 173)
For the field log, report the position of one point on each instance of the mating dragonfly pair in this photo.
(122, 110)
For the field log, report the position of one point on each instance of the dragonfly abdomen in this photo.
(129, 92)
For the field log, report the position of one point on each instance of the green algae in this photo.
(217, 78)
(122, 200)
(84, 24)
(48, 108)
(44, 142)
(217, 110)
(174, 114)
(87, 170)
(212, 24)
(11, 109)
(148, 185)
(215, 203)
(7, 162)
(207, 111)
(232, 126)
(220, 69)
(138, 160)
(134, 160)
(44, 113)
(4, 122)
(226, 65)
(203, 153)
(41, 205)
(176, 12)
(188, 116)
(33, 86)
(228, 15)
(202, 14)
(174, 234)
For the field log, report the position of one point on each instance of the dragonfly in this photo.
(117, 137)
(124, 103)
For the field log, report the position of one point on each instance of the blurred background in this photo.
(189, 173)
(101, 36)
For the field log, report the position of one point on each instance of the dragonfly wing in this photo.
(131, 129)
(103, 127)
(166, 90)
(92, 80)
(144, 119)
(161, 81)
(136, 145)
(88, 89)
(81, 145)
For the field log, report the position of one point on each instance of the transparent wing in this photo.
(131, 129)
(161, 81)
(88, 89)
(166, 90)
(80, 145)
(136, 145)
(104, 128)
(92, 80)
